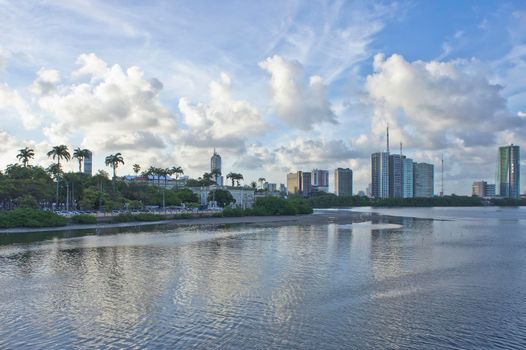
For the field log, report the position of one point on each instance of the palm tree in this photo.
(25, 155)
(232, 177)
(136, 169)
(113, 160)
(80, 154)
(177, 170)
(254, 185)
(261, 181)
(238, 177)
(59, 152)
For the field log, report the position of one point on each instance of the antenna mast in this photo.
(442, 177)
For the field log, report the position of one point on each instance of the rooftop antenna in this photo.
(387, 137)
(442, 177)
(400, 149)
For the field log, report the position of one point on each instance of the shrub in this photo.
(25, 217)
(84, 219)
(229, 212)
(138, 217)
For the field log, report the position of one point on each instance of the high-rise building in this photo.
(343, 182)
(215, 165)
(294, 183)
(483, 189)
(299, 183)
(380, 174)
(88, 163)
(320, 180)
(508, 171)
(477, 189)
(306, 183)
(395, 176)
(407, 177)
(423, 180)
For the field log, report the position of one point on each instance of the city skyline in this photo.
(313, 91)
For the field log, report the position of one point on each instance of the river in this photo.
(448, 279)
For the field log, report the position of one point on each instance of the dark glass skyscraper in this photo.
(508, 171)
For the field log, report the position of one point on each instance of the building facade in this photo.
(508, 171)
(320, 180)
(407, 177)
(88, 164)
(215, 165)
(294, 183)
(395, 176)
(380, 174)
(343, 182)
(424, 180)
(306, 183)
(244, 196)
(483, 189)
(299, 183)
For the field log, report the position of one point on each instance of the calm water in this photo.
(394, 283)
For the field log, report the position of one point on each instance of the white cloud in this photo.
(434, 104)
(298, 103)
(46, 82)
(92, 66)
(223, 121)
(11, 100)
(116, 110)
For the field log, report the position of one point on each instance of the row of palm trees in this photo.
(61, 152)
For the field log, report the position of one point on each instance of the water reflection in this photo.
(413, 283)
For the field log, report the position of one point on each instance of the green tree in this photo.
(177, 170)
(136, 169)
(59, 152)
(81, 154)
(113, 161)
(222, 197)
(25, 154)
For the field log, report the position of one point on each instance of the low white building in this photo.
(244, 196)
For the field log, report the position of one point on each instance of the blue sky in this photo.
(274, 86)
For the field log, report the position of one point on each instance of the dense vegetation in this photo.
(34, 187)
(333, 201)
(25, 217)
(267, 206)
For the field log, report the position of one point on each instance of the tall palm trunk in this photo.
(58, 180)
(113, 179)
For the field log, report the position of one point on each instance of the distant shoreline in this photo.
(171, 222)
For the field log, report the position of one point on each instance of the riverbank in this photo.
(324, 217)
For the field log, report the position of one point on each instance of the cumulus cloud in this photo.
(438, 103)
(299, 103)
(92, 66)
(11, 100)
(117, 110)
(45, 83)
(297, 154)
(223, 121)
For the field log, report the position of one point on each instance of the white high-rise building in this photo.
(407, 177)
(380, 174)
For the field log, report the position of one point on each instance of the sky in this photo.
(273, 86)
